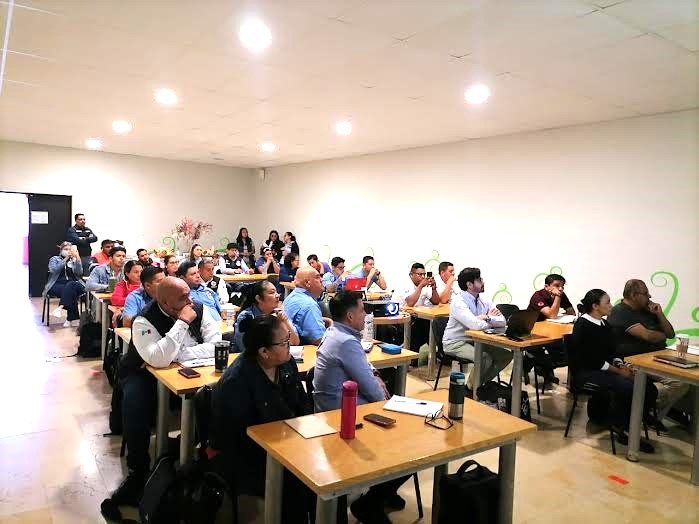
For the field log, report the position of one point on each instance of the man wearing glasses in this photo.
(332, 280)
(640, 326)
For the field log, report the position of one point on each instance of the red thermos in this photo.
(349, 409)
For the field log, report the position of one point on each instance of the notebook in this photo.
(198, 362)
(563, 319)
(310, 426)
(412, 406)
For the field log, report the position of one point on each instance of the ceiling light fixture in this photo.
(166, 97)
(121, 126)
(477, 94)
(255, 35)
(267, 147)
(343, 127)
(93, 143)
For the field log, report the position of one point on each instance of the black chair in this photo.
(507, 309)
(439, 324)
(586, 388)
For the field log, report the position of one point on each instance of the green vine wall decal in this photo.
(169, 243)
(538, 281)
(370, 252)
(506, 296)
(432, 264)
(222, 243)
(659, 279)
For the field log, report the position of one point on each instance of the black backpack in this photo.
(90, 333)
(192, 494)
(469, 496)
(499, 396)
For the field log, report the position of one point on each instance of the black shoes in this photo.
(127, 494)
(369, 510)
(644, 446)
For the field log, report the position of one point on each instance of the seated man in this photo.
(320, 267)
(99, 278)
(447, 287)
(371, 273)
(170, 329)
(341, 357)
(143, 257)
(213, 282)
(189, 272)
(640, 326)
(102, 256)
(418, 292)
(267, 263)
(333, 279)
(151, 277)
(232, 263)
(469, 310)
(302, 306)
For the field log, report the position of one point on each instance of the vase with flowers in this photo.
(188, 231)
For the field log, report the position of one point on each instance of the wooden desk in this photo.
(102, 311)
(331, 466)
(548, 332)
(644, 365)
(243, 277)
(403, 318)
(288, 288)
(430, 313)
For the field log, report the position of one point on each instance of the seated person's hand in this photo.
(495, 312)
(187, 314)
(482, 317)
(281, 315)
(654, 308)
(328, 322)
(382, 384)
(251, 271)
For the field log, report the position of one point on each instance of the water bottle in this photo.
(348, 415)
(457, 384)
(368, 333)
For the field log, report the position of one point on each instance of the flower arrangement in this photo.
(189, 230)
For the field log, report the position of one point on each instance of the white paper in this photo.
(693, 350)
(412, 406)
(198, 362)
(310, 426)
(296, 352)
(564, 319)
(367, 345)
(40, 217)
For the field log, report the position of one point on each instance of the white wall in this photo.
(603, 202)
(132, 198)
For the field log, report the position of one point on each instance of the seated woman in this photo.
(246, 246)
(261, 299)
(262, 385)
(65, 272)
(594, 353)
(131, 282)
(290, 245)
(287, 272)
(274, 244)
(170, 265)
(267, 263)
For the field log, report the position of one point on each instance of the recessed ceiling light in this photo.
(267, 147)
(255, 35)
(121, 126)
(343, 127)
(167, 97)
(477, 94)
(93, 143)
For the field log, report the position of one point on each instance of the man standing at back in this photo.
(82, 236)
(302, 308)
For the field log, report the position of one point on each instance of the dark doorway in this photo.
(49, 219)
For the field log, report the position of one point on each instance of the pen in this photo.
(412, 402)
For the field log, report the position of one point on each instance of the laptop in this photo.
(519, 326)
(355, 283)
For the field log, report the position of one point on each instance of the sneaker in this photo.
(66, 323)
(394, 502)
(367, 511)
(59, 312)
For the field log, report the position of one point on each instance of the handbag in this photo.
(469, 496)
(499, 396)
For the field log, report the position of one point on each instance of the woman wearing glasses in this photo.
(261, 386)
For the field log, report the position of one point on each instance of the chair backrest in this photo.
(507, 309)
(439, 324)
(203, 407)
(309, 384)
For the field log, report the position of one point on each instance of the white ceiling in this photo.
(396, 68)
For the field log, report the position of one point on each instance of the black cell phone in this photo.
(188, 373)
(516, 339)
(380, 420)
(429, 274)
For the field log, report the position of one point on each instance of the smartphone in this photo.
(188, 373)
(429, 274)
(380, 420)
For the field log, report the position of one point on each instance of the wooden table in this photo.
(547, 332)
(102, 311)
(288, 288)
(430, 313)
(644, 365)
(403, 318)
(244, 277)
(332, 467)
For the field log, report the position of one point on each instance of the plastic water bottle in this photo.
(348, 410)
(368, 333)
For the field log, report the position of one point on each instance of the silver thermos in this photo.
(457, 385)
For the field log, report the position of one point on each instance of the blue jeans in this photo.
(69, 292)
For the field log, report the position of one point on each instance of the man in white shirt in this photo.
(419, 291)
(169, 329)
(447, 287)
(469, 310)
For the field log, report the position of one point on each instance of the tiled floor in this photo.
(55, 465)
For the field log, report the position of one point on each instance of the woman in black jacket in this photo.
(261, 386)
(594, 352)
(274, 244)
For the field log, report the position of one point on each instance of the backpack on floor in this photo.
(469, 495)
(499, 396)
(90, 333)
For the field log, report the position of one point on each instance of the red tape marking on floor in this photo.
(620, 480)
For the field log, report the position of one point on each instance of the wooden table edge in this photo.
(479, 336)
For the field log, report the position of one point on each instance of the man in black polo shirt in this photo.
(169, 329)
(549, 302)
(640, 326)
(82, 236)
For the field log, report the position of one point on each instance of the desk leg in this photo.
(639, 395)
(96, 304)
(517, 365)
(506, 479)
(401, 377)
(326, 511)
(187, 429)
(694, 478)
(406, 335)
(439, 472)
(432, 357)
(105, 326)
(477, 359)
(161, 421)
(273, 491)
